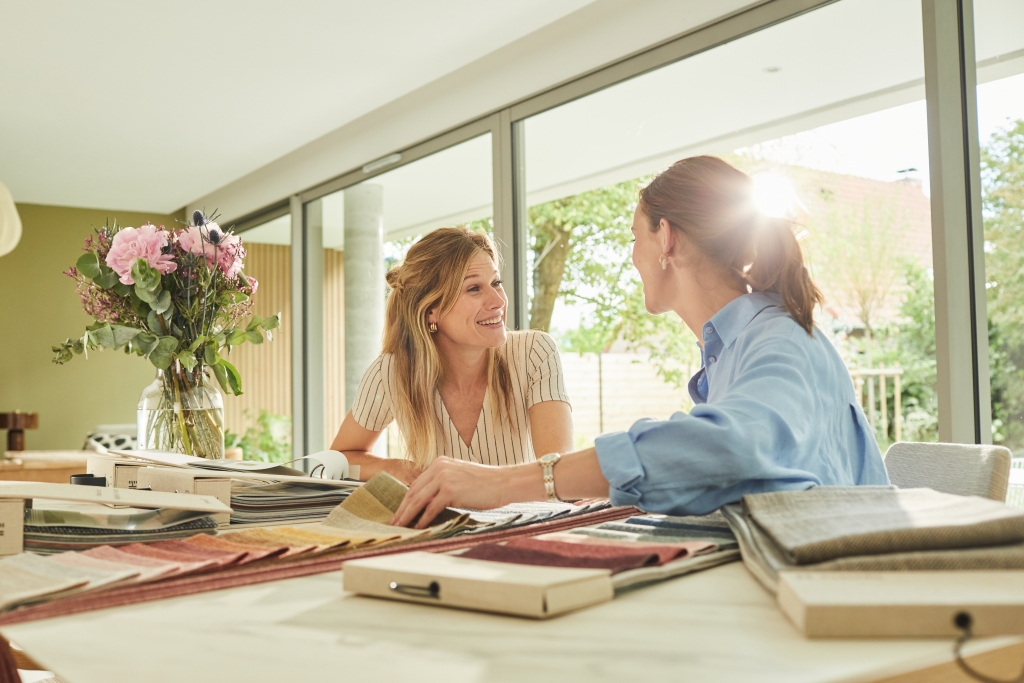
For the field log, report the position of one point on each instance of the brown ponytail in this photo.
(710, 203)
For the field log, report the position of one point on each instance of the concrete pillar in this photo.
(364, 282)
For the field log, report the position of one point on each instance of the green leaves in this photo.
(228, 377)
(146, 277)
(88, 265)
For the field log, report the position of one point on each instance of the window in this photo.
(826, 112)
(999, 50)
(260, 419)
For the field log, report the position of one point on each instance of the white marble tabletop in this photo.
(718, 625)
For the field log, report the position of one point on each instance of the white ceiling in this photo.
(147, 106)
(826, 66)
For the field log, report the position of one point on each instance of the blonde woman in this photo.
(456, 381)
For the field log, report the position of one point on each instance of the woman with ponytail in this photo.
(775, 407)
(454, 379)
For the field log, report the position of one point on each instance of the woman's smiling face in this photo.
(478, 317)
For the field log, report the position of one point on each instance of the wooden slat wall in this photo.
(266, 369)
(334, 342)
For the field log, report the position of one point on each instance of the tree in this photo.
(1002, 169)
(582, 250)
(855, 255)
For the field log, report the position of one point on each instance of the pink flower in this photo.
(221, 249)
(146, 242)
(253, 284)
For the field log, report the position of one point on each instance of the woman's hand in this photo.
(456, 483)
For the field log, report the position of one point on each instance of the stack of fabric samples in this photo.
(359, 522)
(263, 504)
(637, 551)
(57, 531)
(874, 528)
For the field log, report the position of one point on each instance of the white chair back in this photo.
(964, 469)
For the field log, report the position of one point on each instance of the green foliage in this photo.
(267, 438)
(598, 275)
(1002, 168)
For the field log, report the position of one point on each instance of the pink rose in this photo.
(221, 249)
(146, 242)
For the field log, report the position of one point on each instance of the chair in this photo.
(963, 469)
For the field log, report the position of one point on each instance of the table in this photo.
(55, 467)
(718, 625)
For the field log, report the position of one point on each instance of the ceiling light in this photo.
(10, 222)
(772, 69)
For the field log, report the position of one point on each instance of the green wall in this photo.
(39, 308)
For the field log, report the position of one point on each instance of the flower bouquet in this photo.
(178, 298)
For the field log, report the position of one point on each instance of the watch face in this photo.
(550, 458)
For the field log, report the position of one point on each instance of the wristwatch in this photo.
(548, 463)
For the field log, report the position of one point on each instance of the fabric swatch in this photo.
(666, 552)
(584, 557)
(142, 574)
(830, 522)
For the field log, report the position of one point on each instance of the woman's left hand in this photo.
(449, 482)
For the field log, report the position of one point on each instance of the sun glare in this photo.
(774, 195)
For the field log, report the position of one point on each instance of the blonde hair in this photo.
(431, 276)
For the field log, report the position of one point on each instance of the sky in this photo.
(881, 144)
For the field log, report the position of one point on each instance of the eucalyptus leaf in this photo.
(153, 321)
(254, 336)
(88, 265)
(210, 355)
(236, 337)
(254, 323)
(162, 302)
(106, 280)
(77, 346)
(222, 376)
(146, 343)
(234, 377)
(147, 295)
(272, 322)
(163, 354)
(123, 334)
(103, 336)
(121, 289)
(187, 360)
(145, 276)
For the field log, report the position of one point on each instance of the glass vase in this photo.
(182, 412)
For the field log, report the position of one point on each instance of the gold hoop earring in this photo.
(432, 327)
(664, 262)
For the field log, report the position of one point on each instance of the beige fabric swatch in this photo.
(143, 574)
(19, 583)
(95, 578)
(828, 522)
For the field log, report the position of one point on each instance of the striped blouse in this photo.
(536, 377)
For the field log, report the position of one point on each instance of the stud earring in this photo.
(664, 262)
(432, 327)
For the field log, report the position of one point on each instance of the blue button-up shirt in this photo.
(774, 409)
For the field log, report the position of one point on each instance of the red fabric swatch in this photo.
(221, 543)
(155, 553)
(615, 559)
(666, 552)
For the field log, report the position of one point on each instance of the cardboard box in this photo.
(12, 526)
(122, 474)
(197, 482)
(453, 581)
